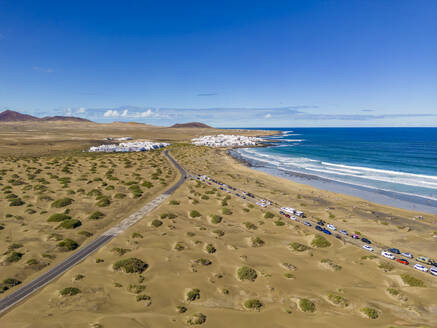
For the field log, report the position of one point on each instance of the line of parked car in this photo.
(329, 228)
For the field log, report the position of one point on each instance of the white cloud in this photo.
(81, 110)
(125, 112)
(268, 115)
(68, 112)
(111, 113)
(43, 69)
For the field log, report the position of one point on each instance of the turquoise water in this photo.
(397, 160)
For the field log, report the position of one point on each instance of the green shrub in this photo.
(216, 219)
(210, 249)
(136, 191)
(62, 202)
(96, 215)
(70, 224)
(136, 289)
(130, 265)
(331, 264)
(289, 275)
(298, 247)
(412, 281)
(250, 226)
(181, 309)
(203, 261)
(320, 241)
(14, 257)
(338, 300)
(120, 251)
(269, 215)
(218, 232)
(147, 184)
(246, 273)
(371, 313)
(174, 202)
(197, 319)
(143, 297)
(386, 266)
(194, 214)
(393, 291)
(253, 304)
(11, 282)
(306, 305)
(193, 294)
(136, 235)
(156, 223)
(103, 202)
(32, 262)
(257, 242)
(68, 245)
(226, 211)
(16, 202)
(69, 291)
(279, 223)
(85, 233)
(119, 195)
(179, 247)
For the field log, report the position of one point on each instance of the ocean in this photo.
(392, 166)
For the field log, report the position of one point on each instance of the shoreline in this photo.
(377, 196)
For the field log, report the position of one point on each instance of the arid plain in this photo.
(204, 257)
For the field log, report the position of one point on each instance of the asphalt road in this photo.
(36, 284)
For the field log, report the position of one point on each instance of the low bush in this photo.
(216, 219)
(130, 265)
(16, 202)
(120, 251)
(250, 226)
(269, 215)
(194, 214)
(85, 233)
(193, 294)
(338, 300)
(320, 241)
(69, 291)
(147, 184)
(181, 309)
(226, 211)
(62, 202)
(370, 313)
(253, 304)
(156, 223)
(298, 247)
(279, 223)
(70, 224)
(393, 291)
(58, 217)
(137, 235)
(203, 261)
(218, 232)
(210, 249)
(96, 215)
(103, 202)
(68, 245)
(386, 266)
(174, 202)
(136, 289)
(119, 195)
(306, 305)
(179, 246)
(197, 319)
(331, 264)
(14, 257)
(247, 273)
(257, 242)
(412, 281)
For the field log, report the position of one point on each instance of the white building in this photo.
(226, 140)
(129, 147)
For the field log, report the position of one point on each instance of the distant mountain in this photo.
(12, 116)
(190, 125)
(65, 118)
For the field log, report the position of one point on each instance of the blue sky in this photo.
(225, 63)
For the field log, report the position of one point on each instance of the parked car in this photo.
(394, 250)
(365, 240)
(344, 232)
(331, 226)
(403, 261)
(287, 215)
(308, 224)
(409, 255)
(388, 255)
(355, 236)
(281, 212)
(321, 223)
(420, 267)
(319, 228)
(338, 236)
(423, 259)
(326, 231)
(368, 248)
(433, 271)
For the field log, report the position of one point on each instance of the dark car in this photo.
(394, 250)
(308, 224)
(318, 228)
(355, 236)
(338, 236)
(327, 231)
(281, 212)
(365, 240)
(321, 223)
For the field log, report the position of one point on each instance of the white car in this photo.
(420, 267)
(331, 226)
(388, 255)
(293, 218)
(368, 248)
(433, 271)
(409, 255)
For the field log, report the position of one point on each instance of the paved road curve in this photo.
(28, 289)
